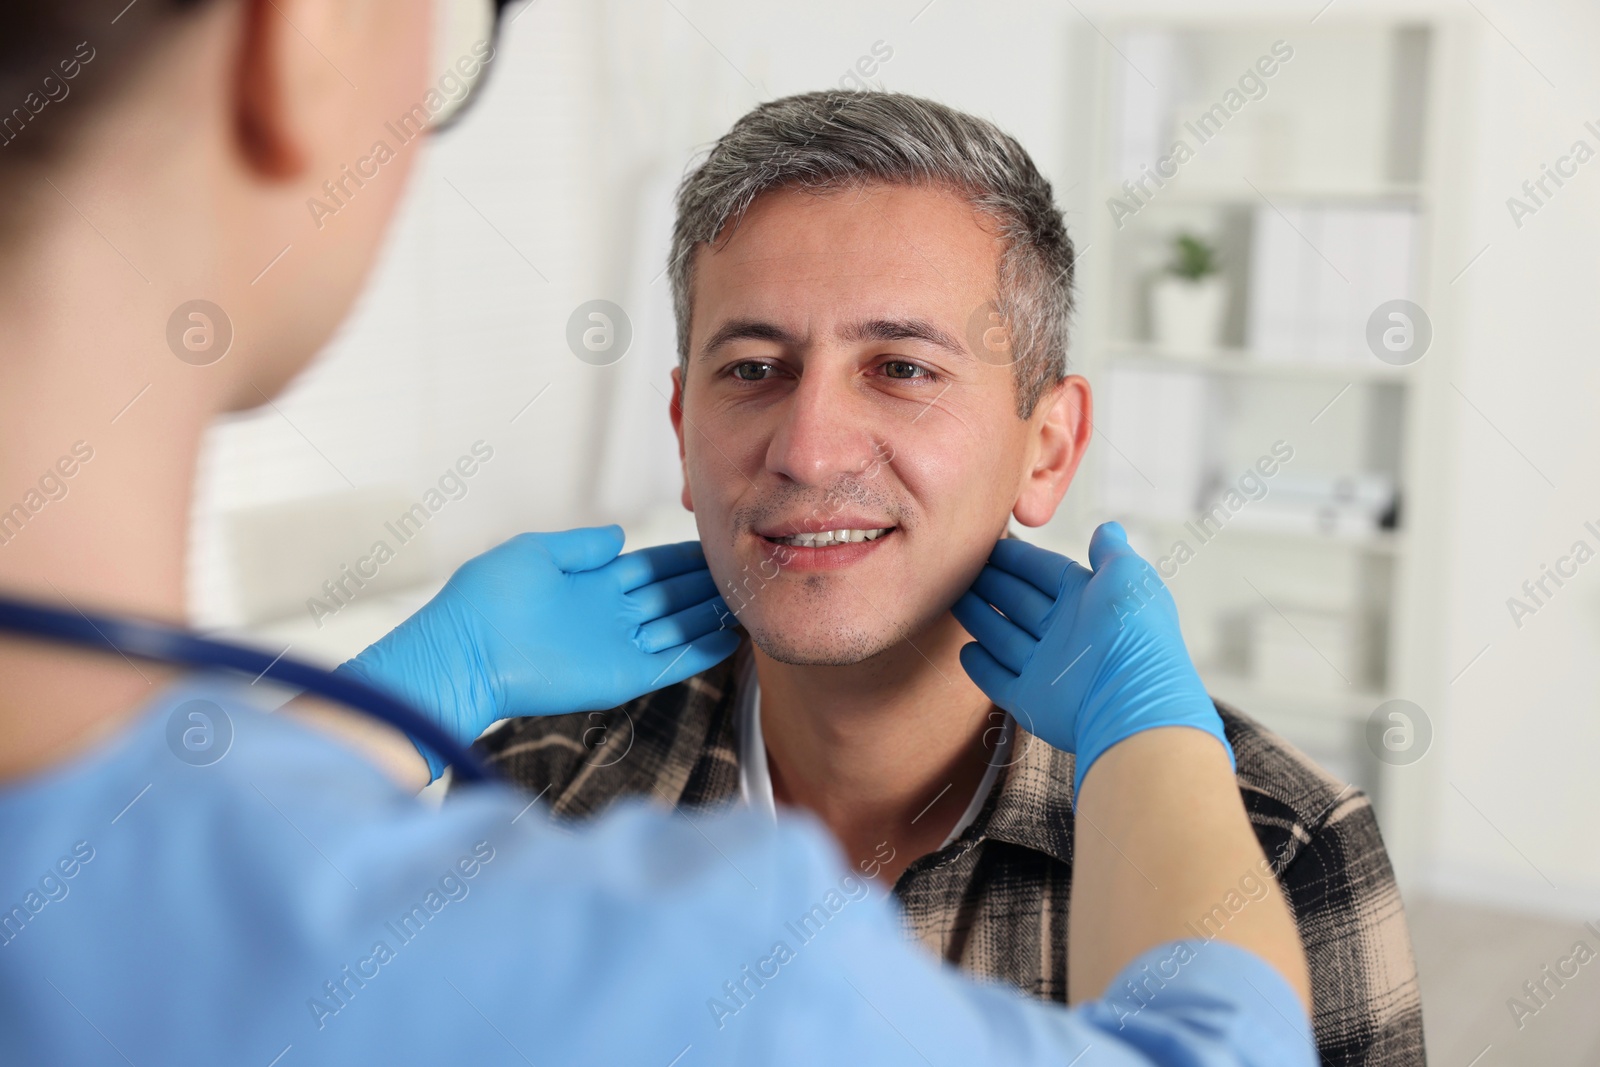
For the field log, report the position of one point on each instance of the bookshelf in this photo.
(1348, 132)
(1242, 361)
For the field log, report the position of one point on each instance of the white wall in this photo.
(1522, 727)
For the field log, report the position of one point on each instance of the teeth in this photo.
(831, 537)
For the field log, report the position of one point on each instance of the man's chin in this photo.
(843, 647)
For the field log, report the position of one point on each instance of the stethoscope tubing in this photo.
(159, 642)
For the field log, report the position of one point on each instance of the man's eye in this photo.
(904, 369)
(751, 372)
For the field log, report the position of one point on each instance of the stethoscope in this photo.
(162, 643)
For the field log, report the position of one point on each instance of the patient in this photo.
(873, 294)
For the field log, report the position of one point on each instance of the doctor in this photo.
(190, 878)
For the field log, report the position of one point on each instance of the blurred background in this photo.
(1337, 291)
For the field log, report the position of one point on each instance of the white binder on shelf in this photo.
(1317, 273)
(1152, 430)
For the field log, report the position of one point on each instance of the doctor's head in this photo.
(166, 151)
(872, 295)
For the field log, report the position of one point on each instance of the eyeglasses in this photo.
(464, 40)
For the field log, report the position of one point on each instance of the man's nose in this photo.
(828, 428)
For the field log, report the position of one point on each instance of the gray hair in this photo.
(839, 137)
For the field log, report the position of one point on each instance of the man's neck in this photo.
(888, 752)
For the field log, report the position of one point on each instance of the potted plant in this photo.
(1188, 301)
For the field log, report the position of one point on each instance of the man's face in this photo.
(833, 386)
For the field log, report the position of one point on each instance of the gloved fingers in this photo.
(673, 594)
(1037, 566)
(1109, 541)
(706, 617)
(646, 565)
(582, 549)
(1003, 639)
(701, 654)
(1021, 602)
(988, 674)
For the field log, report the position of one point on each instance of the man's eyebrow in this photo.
(903, 330)
(881, 330)
(747, 330)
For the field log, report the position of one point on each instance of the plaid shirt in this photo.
(995, 901)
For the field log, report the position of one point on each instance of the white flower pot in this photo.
(1186, 316)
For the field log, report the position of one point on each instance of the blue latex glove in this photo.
(549, 623)
(1082, 658)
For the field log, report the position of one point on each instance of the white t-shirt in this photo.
(755, 778)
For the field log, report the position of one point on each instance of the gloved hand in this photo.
(1082, 658)
(550, 623)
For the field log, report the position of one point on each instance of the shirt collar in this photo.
(755, 777)
(1032, 806)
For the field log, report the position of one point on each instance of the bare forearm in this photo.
(1165, 852)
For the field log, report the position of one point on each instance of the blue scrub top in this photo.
(217, 884)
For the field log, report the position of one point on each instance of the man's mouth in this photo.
(805, 546)
(825, 538)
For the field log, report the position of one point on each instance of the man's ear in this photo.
(677, 427)
(1060, 428)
